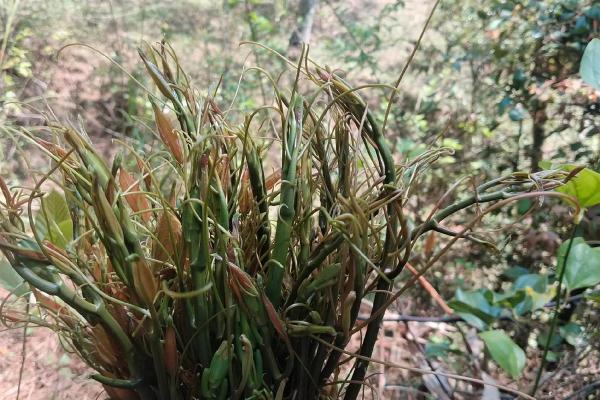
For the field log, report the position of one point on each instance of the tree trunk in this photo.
(306, 17)
(538, 132)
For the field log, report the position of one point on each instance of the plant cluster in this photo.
(209, 269)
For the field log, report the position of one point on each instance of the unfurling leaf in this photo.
(171, 355)
(168, 243)
(167, 134)
(273, 179)
(430, 244)
(273, 317)
(145, 282)
(245, 196)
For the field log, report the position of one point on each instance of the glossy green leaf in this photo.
(524, 205)
(509, 356)
(590, 64)
(583, 264)
(53, 221)
(585, 186)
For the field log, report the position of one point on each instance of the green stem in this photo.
(158, 358)
(278, 260)
(58, 288)
(257, 181)
(561, 276)
(383, 286)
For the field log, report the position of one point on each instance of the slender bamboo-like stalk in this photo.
(290, 153)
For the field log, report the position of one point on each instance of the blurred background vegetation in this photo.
(495, 80)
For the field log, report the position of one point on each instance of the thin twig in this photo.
(456, 318)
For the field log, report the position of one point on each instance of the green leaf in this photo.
(555, 342)
(452, 143)
(585, 186)
(537, 282)
(513, 300)
(573, 334)
(503, 105)
(515, 272)
(475, 308)
(583, 264)
(10, 280)
(595, 297)
(53, 221)
(593, 12)
(545, 164)
(534, 301)
(582, 26)
(590, 64)
(516, 114)
(551, 356)
(433, 349)
(509, 356)
(524, 205)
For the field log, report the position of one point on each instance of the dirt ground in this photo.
(47, 372)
